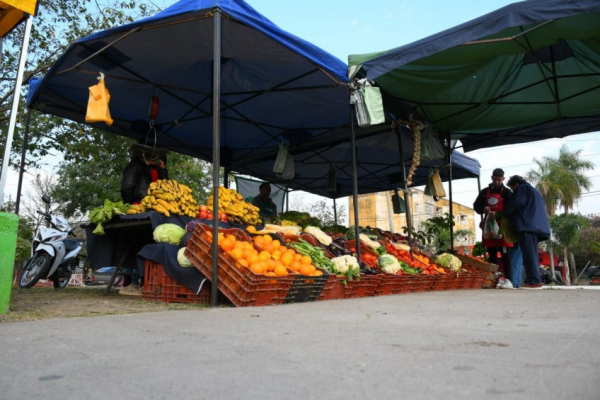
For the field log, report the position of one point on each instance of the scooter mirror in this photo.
(46, 199)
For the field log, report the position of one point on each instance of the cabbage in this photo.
(389, 264)
(168, 233)
(182, 260)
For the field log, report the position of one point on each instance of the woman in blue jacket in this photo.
(527, 209)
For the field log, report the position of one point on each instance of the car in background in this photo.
(102, 277)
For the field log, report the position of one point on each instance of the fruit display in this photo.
(167, 197)
(205, 213)
(233, 205)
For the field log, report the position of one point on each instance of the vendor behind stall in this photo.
(147, 165)
(268, 209)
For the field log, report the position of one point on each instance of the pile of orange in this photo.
(288, 257)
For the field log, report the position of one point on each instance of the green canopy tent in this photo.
(528, 71)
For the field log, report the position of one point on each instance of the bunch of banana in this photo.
(232, 203)
(168, 197)
(136, 209)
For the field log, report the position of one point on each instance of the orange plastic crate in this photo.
(159, 286)
(240, 285)
(393, 284)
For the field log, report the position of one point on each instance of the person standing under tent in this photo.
(268, 209)
(489, 201)
(527, 209)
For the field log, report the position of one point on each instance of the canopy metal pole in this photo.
(388, 201)
(287, 200)
(334, 212)
(405, 190)
(450, 196)
(22, 166)
(15, 107)
(354, 182)
(479, 190)
(226, 177)
(216, 153)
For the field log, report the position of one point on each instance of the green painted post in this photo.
(9, 226)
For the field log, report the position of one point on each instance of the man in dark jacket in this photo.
(489, 201)
(139, 174)
(527, 209)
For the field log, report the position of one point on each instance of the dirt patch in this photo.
(44, 303)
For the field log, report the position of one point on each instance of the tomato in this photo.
(203, 208)
(203, 215)
(353, 249)
(209, 215)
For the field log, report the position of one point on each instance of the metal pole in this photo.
(450, 196)
(334, 212)
(23, 153)
(216, 152)
(406, 203)
(354, 183)
(389, 211)
(479, 190)
(287, 200)
(226, 177)
(15, 107)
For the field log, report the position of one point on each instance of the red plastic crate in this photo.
(159, 286)
(447, 281)
(240, 285)
(393, 284)
(421, 283)
(337, 287)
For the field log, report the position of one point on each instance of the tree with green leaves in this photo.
(566, 229)
(561, 181)
(434, 233)
(587, 248)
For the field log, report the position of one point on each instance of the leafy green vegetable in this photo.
(316, 253)
(168, 233)
(105, 213)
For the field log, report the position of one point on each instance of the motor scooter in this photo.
(53, 256)
(594, 275)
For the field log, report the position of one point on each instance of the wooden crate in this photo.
(476, 263)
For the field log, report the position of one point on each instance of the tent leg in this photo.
(226, 177)
(334, 212)
(22, 166)
(405, 190)
(450, 195)
(216, 151)
(479, 190)
(388, 201)
(15, 107)
(287, 200)
(354, 182)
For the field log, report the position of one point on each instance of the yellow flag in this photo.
(12, 12)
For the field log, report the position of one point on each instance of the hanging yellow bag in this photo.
(436, 186)
(97, 109)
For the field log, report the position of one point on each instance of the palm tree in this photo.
(551, 191)
(561, 181)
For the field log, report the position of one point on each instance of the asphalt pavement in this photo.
(477, 344)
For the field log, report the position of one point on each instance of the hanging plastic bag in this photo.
(280, 161)
(491, 230)
(436, 185)
(431, 146)
(374, 104)
(97, 108)
(289, 170)
(357, 98)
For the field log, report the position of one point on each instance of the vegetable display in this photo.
(168, 233)
(347, 266)
(319, 235)
(302, 219)
(316, 253)
(449, 261)
(105, 213)
(389, 264)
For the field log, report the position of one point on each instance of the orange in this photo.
(253, 258)
(256, 268)
(236, 253)
(276, 244)
(227, 245)
(263, 265)
(286, 259)
(271, 264)
(295, 265)
(298, 257)
(317, 273)
(268, 247)
(276, 255)
(239, 245)
(264, 255)
(243, 263)
(305, 270)
(280, 270)
(306, 260)
(259, 241)
(231, 237)
(270, 273)
(267, 238)
(251, 229)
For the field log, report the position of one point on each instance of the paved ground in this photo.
(480, 344)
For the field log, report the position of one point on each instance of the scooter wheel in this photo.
(36, 269)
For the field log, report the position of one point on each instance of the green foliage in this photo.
(478, 249)
(588, 246)
(435, 233)
(196, 174)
